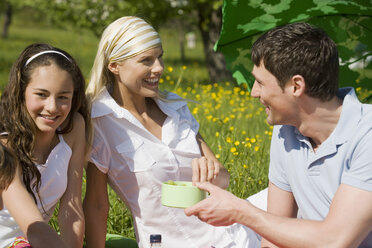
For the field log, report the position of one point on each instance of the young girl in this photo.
(45, 121)
(142, 138)
(39, 233)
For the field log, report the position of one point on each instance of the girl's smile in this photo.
(48, 97)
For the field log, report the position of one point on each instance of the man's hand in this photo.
(219, 209)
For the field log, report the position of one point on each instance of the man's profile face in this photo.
(277, 101)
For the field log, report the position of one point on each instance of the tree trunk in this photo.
(210, 27)
(8, 20)
(181, 39)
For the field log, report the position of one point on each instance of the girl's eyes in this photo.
(43, 95)
(64, 97)
(40, 94)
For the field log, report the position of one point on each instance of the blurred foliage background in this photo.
(181, 16)
(348, 23)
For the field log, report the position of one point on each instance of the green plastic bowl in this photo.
(180, 194)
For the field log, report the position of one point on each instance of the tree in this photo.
(96, 15)
(210, 22)
(7, 19)
(207, 16)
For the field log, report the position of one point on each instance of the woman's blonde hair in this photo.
(123, 39)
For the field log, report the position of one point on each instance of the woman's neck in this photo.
(134, 103)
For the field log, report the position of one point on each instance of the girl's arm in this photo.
(208, 168)
(96, 207)
(70, 215)
(25, 212)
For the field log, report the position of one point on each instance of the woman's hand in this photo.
(207, 168)
(204, 169)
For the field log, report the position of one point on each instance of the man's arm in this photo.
(349, 220)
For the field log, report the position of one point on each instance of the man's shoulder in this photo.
(366, 116)
(367, 110)
(364, 126)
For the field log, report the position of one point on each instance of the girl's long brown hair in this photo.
(8, 167)
(17, 124)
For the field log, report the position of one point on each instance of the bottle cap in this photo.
(155, 238)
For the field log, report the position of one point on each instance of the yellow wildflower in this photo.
(195, 111)
(248, 145)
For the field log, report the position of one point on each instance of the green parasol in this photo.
(347, 22)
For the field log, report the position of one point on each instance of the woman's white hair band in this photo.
(44, 52)
(133, 36)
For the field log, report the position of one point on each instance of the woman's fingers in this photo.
(204, 170)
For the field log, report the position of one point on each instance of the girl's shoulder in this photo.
(78, 130)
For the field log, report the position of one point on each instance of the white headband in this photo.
(134, 36)
(43, 52)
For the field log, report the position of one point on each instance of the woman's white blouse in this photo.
(137, 162)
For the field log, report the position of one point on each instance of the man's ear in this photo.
(114, 68)
(298, 85)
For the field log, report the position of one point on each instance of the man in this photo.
(320, 158)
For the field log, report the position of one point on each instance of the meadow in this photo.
(232, 122)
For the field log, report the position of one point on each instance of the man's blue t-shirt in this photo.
(343, 158)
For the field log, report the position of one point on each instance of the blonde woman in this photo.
(143, 137)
